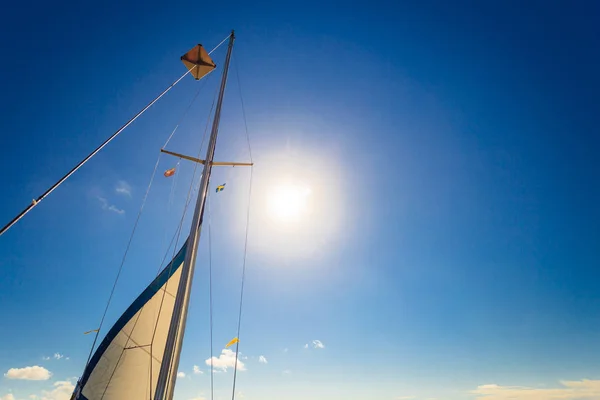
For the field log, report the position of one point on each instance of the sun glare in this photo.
(288, 203)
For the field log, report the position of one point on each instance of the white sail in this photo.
(127, 362)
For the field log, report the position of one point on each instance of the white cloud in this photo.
(262, 359)
(123, 188)
(8, 396)
(225, 360)
(306, 346)
(62, 391)
(317, 344)
(35, 373)
(197, 370)
(181, 374)
(105, 206)
(286, 372)
(570, 390)
(45, 358)
(115, 209)
(58, 356)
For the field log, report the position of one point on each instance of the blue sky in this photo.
(449, 246)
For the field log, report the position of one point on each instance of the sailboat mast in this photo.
(170, 361)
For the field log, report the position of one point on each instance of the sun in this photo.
(288, 203)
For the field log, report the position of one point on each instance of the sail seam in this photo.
(133, 309)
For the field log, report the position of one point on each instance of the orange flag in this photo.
(169, 172)
(233, 341)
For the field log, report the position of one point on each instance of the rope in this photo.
(186, 110)
(237, 74)
(141, 208)
(210, 299)
(123, 260)
(174, 249)
(169, 204)
(164, 289)
(178, 233)
(137, 220)
(35, 202)
(219, 45)
(171, 195)
(86, 159)
(245, 239)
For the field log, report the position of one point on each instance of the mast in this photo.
(170, 362)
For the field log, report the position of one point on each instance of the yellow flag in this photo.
(95, 330)
(233, 341)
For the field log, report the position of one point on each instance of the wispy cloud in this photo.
(123, 188)
(35, 373)
(181, 374)
(286, 372)
(580, 390)
(8, 396)
(58, 356)
(45, 358)
(306, 346)
(317, 344)
(262, 359)
(197, 370)
(110, 207)
(115, 209)
(225, 360)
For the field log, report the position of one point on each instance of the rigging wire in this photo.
(237, 74)
(179, 229)
(179, 324)
(143, 201)
(237, 346)
(164, 289)
(171, 195)
(127, 250)
(35, 202)
(174, 183)
(210, 299)
(169, 204)
(174, 249)
(123, 261)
